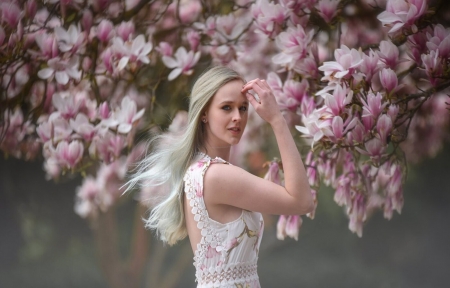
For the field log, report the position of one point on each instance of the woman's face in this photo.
(226, 115)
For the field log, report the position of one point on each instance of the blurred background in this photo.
(44, 243)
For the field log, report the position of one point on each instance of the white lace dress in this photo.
(227, 253)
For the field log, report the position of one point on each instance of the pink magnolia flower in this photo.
(374, 148)
(347, 60)
(86, 198)
(389, 80)
(384, 127)
(327, 9)
(393, 112)
(183, 62)
(83, 127)
(165, 49)
(433, 66)
(69, 154)
(103, 110)
(357, 214)
(11, 13)
(207, 27)
(48, 45)
(229, 27)
(440, 41)
(86, 20)
(105, 30)
(107, 146)
(132, 51)
(281, 227)
(123, 117)
(369, 67)
(293, 44)
(268, 17)
(66, 104)
(389, 54)
(125, 30)
(288, 225)
(70, 40)
(342, 195)
(402, 14)
(62, 69)
(341, 97)
(315, 127)
(274, 173)
(372, 109)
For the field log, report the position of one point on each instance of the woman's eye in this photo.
(244, 108)
(226, 108)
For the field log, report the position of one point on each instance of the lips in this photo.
(235, 130)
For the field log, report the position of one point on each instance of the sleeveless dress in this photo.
(227, 253)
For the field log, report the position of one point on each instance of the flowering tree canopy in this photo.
(364, 82)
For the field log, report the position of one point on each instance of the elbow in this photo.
(306, 204)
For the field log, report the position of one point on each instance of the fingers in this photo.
(251, 99)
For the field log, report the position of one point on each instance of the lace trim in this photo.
(230, 275)
(193, 183)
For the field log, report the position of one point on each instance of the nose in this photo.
(236, 116)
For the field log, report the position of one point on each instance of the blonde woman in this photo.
(219, 205)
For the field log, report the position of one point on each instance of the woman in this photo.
(219, 205)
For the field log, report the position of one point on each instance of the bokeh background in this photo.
(45, 244)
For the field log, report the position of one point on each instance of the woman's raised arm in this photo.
(244, 190)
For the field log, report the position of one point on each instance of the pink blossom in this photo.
(440, 41)
(389, 54)
(402, 14)
(194, 40)
(107, 147)
(183, 62)
(86, 20)
(433, 66)
(337, 127)
(223, 53)
(347, 60)
(30, 8)
(48, 45)
(314, 127)
(69, 154)
(125, 30)
(132, 51)
(70, 40)
(389, 80)
(274, 173)
(369, 66)
(357, 214)
(311, 171)
(103, 110)
(327, 9)
(87, 193)
(66, 104)
(165, 49)
(340, 98)
(372, 108)
(83, 127)
(229, 27)
(281, 227)
(293, 45)
(393, 112)
(342, 195)
(123, 117)
(208, 27)
(11, 13)
(374, 148)
(307, 67)
(293, 224)
(268, 17)
(105, 30)
(384, 127)
(63, 69)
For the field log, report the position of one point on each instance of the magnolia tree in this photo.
(364, 82)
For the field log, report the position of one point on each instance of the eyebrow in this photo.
(231, 102)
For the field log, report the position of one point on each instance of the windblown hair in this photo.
(169, 161)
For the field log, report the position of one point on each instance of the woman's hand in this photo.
(267, 107)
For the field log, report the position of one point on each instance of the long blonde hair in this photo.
(169, 161)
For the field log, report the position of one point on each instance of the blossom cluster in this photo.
(82, 80)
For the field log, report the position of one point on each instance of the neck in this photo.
(213, 152)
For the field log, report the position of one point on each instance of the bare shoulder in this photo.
(232, 185)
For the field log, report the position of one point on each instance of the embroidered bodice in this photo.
(227, 253)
